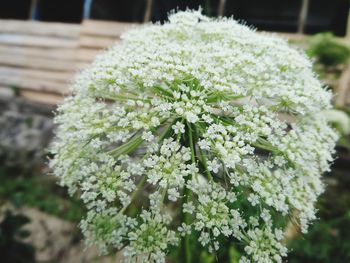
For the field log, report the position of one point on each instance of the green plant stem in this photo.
(128, 146)
(186, 217)
(191, 142)
(124, 98)
(204, 162)
(135, 193)
(144, 178)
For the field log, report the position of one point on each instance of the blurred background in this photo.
(43, 43)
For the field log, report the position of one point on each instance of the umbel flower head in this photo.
(198, 128)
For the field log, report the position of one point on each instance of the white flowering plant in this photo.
(192, 132)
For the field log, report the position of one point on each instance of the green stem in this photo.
(124, 98)
(162, 91)
(144, 178)
(186, 217)
(127, 147)
(204, 162)
(190, 137)
(203, 158)
(135, 193)
(165, 133)
(135, 142)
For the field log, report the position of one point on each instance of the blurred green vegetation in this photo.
(330, 55)
(40, 191)
(328, 240)
(328, 50)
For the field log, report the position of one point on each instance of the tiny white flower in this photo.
(184, 229)
(213, 166)
(178, 127)
(203, 144)
(188, 208)
(173, 194)
(191, 117)
(147, 136)
(253, 199)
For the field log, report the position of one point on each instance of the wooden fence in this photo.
(38, 60)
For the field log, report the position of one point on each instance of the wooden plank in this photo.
(64, 30)
(34, 84)
(37, 41)
(64, 77)
(45, 98)
(39, 63)
(87, 54)
(54, 53)
(343, 88)
(34, 96)
(105, 28)
(96, 42)
(82, 54)
(291, 36)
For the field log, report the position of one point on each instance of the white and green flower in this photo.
(203, 115)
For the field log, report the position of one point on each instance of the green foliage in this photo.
(234, 255)
(328, 50)
(38, 191)
(328, 240)
(12, 249)
(344, 140)
(205, 257)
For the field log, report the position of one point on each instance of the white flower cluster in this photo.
(203, 116)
